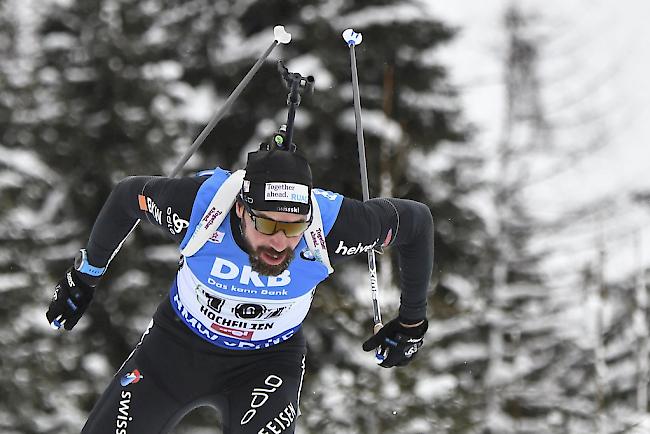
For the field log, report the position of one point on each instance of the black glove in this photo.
(397, 344)
(71, 298)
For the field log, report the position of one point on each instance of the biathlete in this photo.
(254, 245)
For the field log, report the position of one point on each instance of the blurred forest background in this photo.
(93, 91)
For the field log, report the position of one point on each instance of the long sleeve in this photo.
(163, 202)
(405, 224)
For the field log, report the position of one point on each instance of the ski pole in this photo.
(352, 38)
(281, 37)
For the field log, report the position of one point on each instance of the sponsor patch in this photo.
(326, 194)
(123, 418)
(245, 335)
(412, 350)
(342, 249)
(142, 202)
(282, 421)
(209, 217)
(217, 237)
(146, 204)
(175, 224)
(389, 238)
(286, 191)
(318, 239)
(307, 255)
(249, 310)
(260, 395)
(225, 341)
(224, 269)
(131, 378)
(291, 209)
(247, 186)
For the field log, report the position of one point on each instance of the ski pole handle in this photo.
(380, 355)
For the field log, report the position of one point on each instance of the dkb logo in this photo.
(227, 270)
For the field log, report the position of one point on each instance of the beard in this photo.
(261, 267)
(265, 269)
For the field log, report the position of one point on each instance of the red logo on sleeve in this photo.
(389, 238)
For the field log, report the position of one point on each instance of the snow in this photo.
(163, 253)
(10, 179)
(457, 354)
(166, 70)
(435, 387)
(374, 123)
(79, 75)
(11, 281)
(374, 15)
(236, 48)
(198, 104)
(59, 41)
(613, 172)
(461, 286)
(309, 64)
(97, 365)
(27, 163)
(642, 426)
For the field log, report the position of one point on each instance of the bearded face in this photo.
(269, 255)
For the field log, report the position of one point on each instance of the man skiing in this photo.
(254, 246)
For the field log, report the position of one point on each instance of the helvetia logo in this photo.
(131, 378)
(342, 249)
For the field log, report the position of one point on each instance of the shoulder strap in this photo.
(216, 212)
(315, 236)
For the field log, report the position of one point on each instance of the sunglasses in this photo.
(269, 226)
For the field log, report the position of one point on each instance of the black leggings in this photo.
(164, 379)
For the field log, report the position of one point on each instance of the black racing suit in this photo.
(172, 371)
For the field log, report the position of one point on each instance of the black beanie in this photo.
(277, 180)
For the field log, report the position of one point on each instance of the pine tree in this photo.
(28, 200)
(115, 83)
(108, 110)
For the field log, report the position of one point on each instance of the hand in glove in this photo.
(71, 298)
(398, 343)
